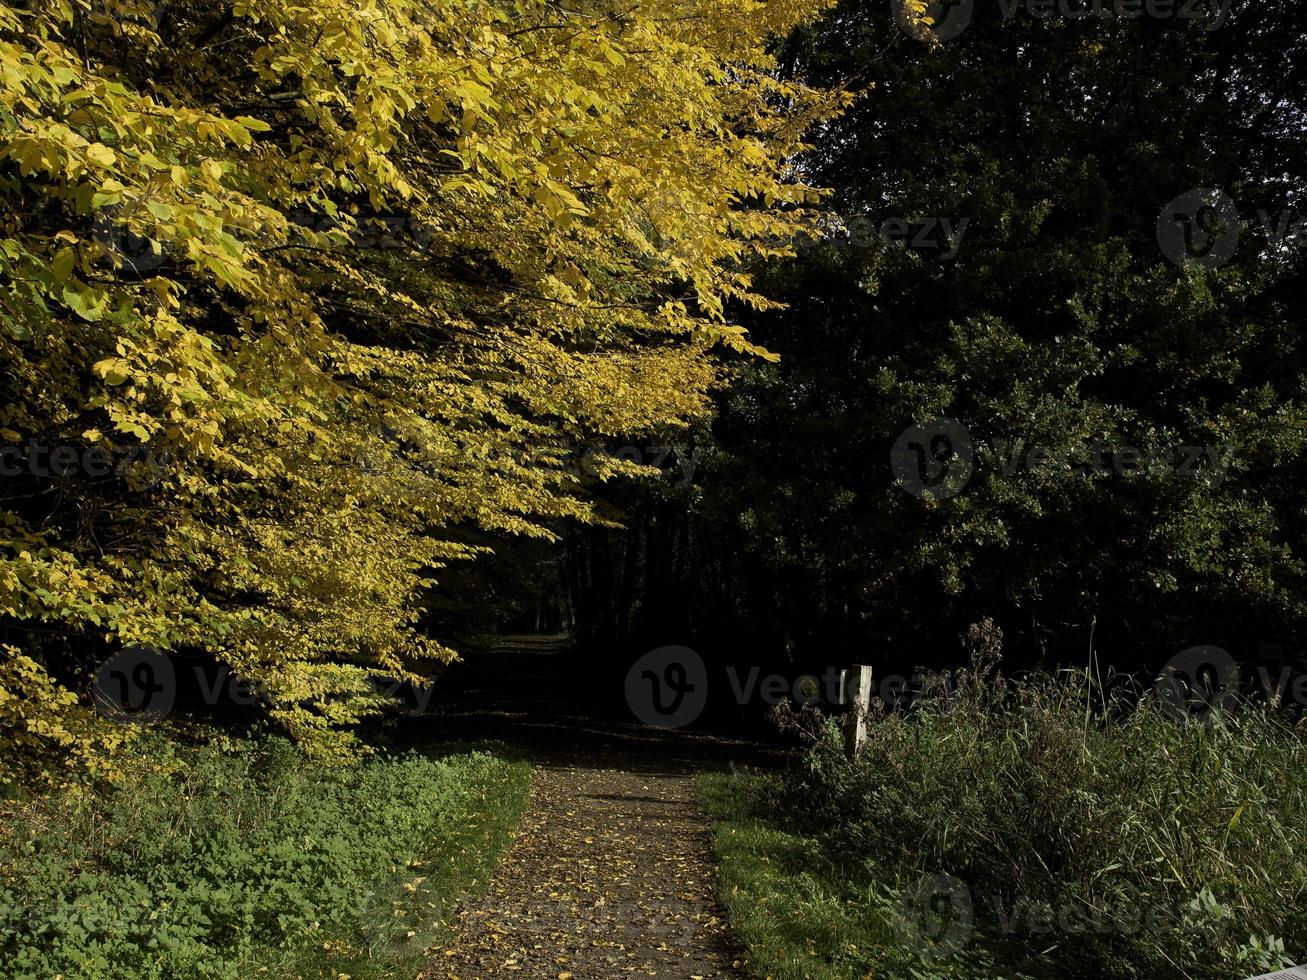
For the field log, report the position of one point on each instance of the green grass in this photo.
(800, 911)
(244, 859)
(1092, 839)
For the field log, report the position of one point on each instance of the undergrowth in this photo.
(244, 858)
(1033, 827)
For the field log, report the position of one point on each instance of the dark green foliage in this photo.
(1058, 323)
(1160, 851)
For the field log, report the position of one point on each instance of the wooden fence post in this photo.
(856, 688)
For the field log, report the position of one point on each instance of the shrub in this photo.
(1103, 837)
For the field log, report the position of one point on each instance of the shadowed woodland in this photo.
(385, 383)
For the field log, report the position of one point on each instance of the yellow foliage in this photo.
(337, 277)
(41, 720)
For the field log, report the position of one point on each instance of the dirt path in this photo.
(611, 873)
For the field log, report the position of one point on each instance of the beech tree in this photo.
(330, 282)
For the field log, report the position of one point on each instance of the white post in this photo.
(857, 695)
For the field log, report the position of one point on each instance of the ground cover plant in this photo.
(243, 858)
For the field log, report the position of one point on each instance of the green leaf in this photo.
(62, 266)
(254, 125)
(87, 302)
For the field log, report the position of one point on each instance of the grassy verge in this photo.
(248, 859)
(1024, 830)
(802, 912)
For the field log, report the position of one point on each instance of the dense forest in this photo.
(998, 251)
(384, 382)
(320, 369)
